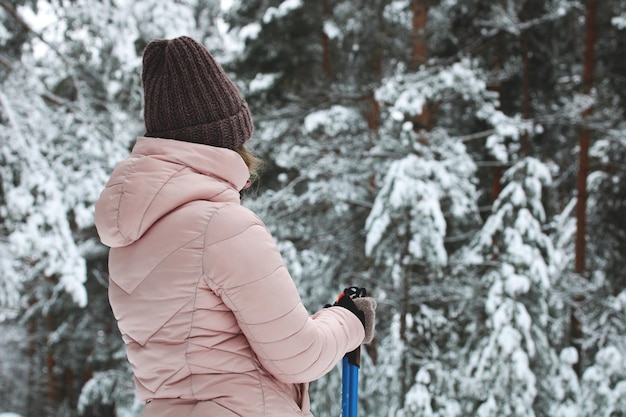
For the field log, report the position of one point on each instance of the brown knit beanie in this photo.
(189, 97)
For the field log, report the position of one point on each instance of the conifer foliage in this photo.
(426, 150)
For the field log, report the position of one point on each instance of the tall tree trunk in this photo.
(419, 53)
(525, 90)
(372, 107)
(52, 383)
(419, 56)
(497, 170)
(496, 182)
(32, 397)
(326, 68)
(406, 375)
(591, 35)
(372, 114)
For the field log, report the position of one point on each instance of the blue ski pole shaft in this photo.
(350, 383)
(351, 363)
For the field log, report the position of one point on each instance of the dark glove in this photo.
(363, 307)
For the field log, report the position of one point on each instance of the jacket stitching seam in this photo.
(157, 192)
(213, 284)
(122, 191)
(187, 343)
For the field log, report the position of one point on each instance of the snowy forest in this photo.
(461, 159)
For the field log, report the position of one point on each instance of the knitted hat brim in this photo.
(231, 133)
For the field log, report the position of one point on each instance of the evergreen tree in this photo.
(70, 106)
(387, 127)
(603, 385)
(510, 357)
(566, 387)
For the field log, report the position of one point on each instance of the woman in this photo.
(212, 321)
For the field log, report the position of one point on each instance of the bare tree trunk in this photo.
(406, 375)
(52, 383)
(31, 353)
(591, 35)
(419, 56)
(372, 107)
(326, 67)
(496, 181)
(372, 114)
(525, 90)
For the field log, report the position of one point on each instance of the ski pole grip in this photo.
(354, 357)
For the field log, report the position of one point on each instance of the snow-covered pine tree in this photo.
(603, 385)
(509, 356)
(57, 146)
(310, 70)
(597, 289)
(70, 107)
(427, 207)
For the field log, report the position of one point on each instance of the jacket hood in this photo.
(159, 176)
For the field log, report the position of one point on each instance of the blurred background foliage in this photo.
(462, 159)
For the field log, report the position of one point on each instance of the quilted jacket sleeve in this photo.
(244, 267)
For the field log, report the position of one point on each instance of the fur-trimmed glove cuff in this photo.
(368, 306)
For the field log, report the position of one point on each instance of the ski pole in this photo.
(350, 370)
(350, 383)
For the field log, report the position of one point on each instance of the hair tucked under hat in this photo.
(189, 97)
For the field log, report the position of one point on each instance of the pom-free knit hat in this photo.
(189, 97)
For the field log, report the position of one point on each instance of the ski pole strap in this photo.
(355, 292)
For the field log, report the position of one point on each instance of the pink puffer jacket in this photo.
(204, 302)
